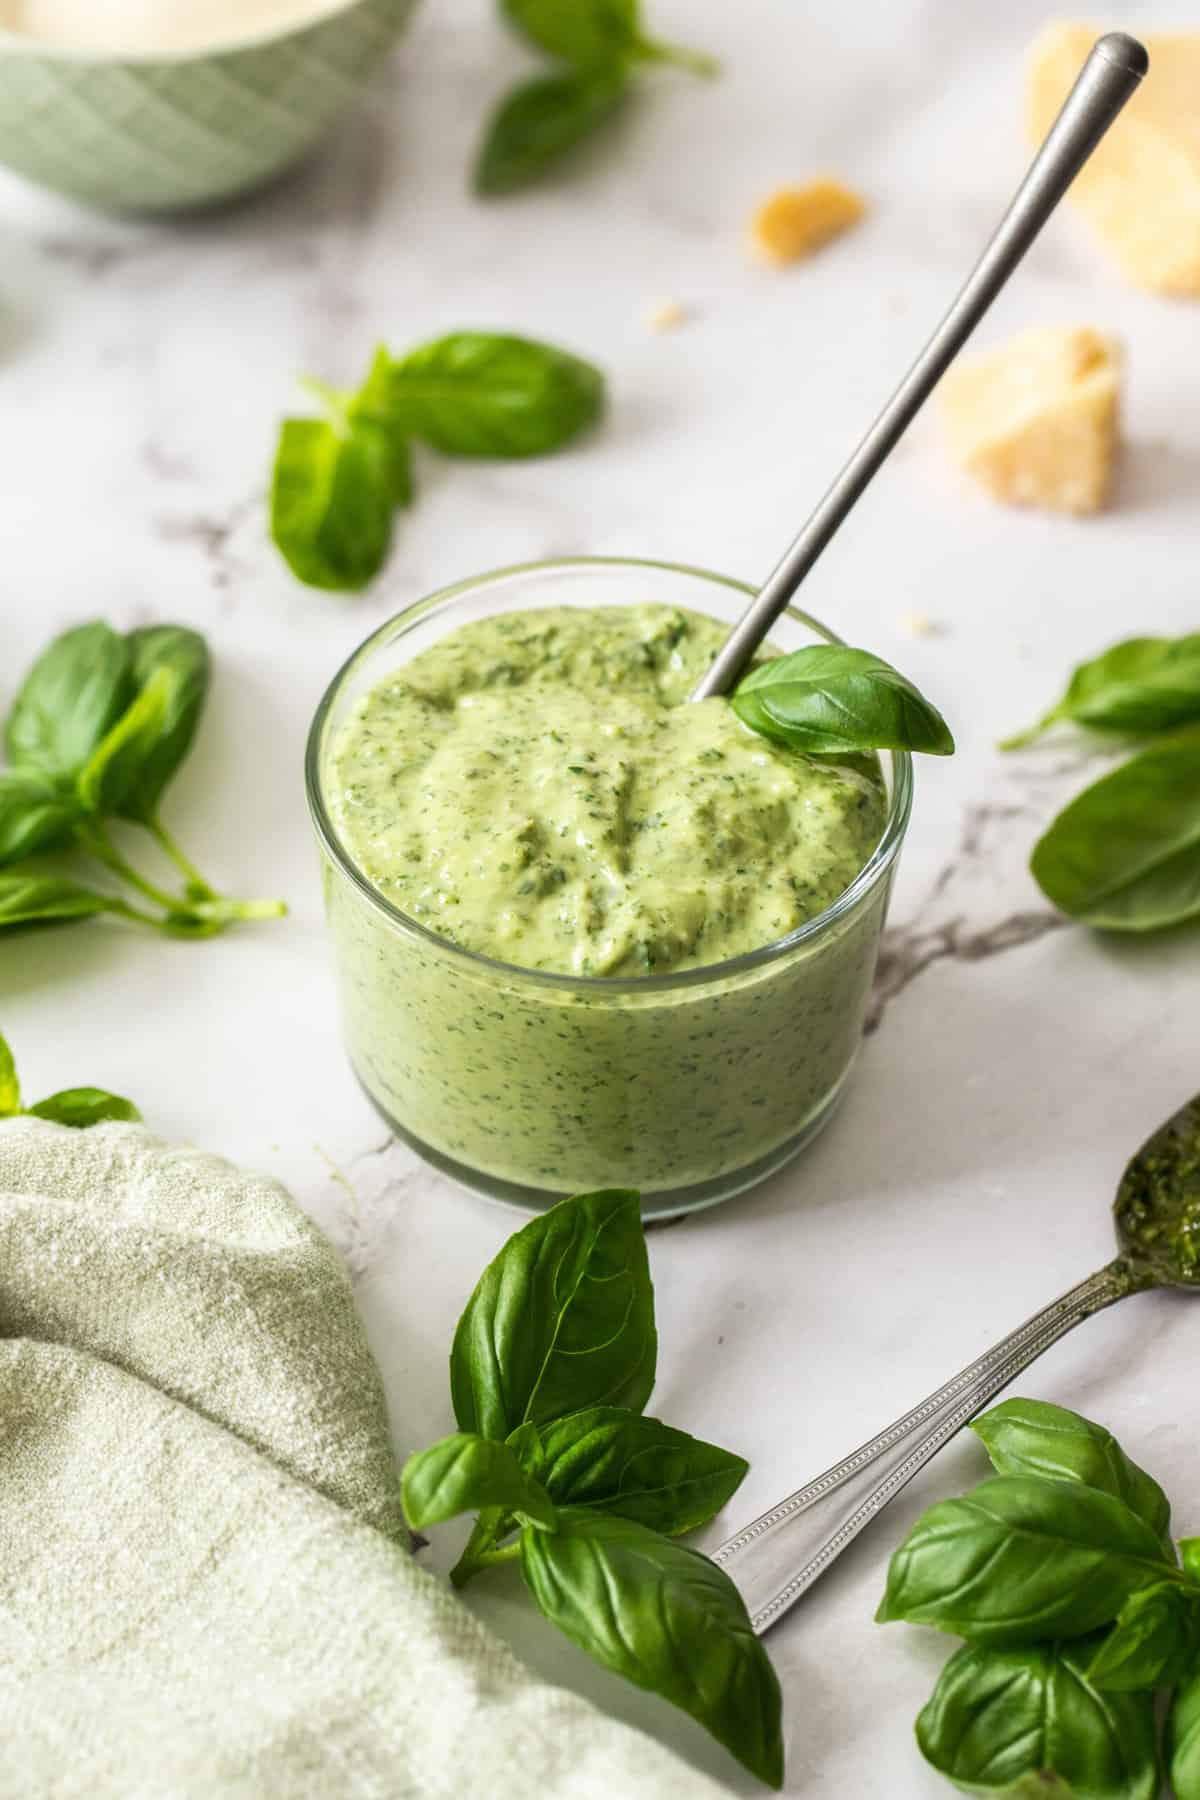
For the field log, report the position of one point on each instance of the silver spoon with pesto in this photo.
(1157, 1217)
(1110, 75)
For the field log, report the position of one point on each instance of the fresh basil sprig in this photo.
(831, 701)
(339, 480)
(98, 728)
(1077, 1612)
(1027, 1720)
(1125, 854)
(552, 1365)
(1140, 686)
(598, 45)
(78, 1107)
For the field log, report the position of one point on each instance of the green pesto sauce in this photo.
(534, 788)
(1158, 1205)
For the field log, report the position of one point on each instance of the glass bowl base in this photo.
(657, 1207)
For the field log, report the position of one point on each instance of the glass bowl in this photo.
(526, 1086)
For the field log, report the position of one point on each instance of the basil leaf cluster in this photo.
(1061, 1575)
(339, 480)
(829, 700)
(78, 1107)
(1125, 854)
(551, 1368)
(597, 46)
(97, 730)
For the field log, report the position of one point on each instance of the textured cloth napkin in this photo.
(205, 1584)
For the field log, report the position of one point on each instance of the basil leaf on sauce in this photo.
(1183, 1739)
(1125, 854)
(81, 1107)
(333, 497)
(1141, 685)
(1028, 1720)
(561, 1319)
(72, 696)
(1033, 1437)
(10, 1087)
(36, 814)
(465, 1473)
(1153, 1643)
(632, 1467)
(829, 700)
(477, 393)
(1022, 1559)
(667, 1619)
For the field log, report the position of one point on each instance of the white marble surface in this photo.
(142, 371)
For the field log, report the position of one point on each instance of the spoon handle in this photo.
(778, 1557)
(1107, 79)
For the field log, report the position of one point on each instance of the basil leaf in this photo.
(465, 1473)
(179, 660)
(563, 1318)
(115, 764)
(1125, 854)
(1031, 1437)
(478, 394)
(829, 701)
(1140, 685)
(1022, 1559)
(1027, 1721)
(333, 494)
(581, 31)
(1183, 1739)
(10, 1087)
(81, 1107)
(1153, 1643)
(35, 814)
(1189, 1551)
(635, 1468)
(73, 694)
(539, 122)
(667, 1619)
(32, 897)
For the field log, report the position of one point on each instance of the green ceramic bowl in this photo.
(163, 132)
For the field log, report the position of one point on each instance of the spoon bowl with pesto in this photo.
(587, 934)
(1156, 1213)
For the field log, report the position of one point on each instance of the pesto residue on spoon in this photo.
(1157, 1208)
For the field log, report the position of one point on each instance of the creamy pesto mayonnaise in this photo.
(535, 788)
(152, 27)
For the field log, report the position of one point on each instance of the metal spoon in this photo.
(1157, 1213)
(1108, 77)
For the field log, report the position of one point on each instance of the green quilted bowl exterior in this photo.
(162, 134)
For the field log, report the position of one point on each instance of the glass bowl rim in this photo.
(14, 43)
(868, 877)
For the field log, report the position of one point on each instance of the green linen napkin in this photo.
(205, 1583)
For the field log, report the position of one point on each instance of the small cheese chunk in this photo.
(795, 221)
(1036, 421)
(1141, 188)
(666, 315)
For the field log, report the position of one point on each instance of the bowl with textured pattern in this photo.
(167, 131)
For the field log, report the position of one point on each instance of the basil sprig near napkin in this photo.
(205, 1583)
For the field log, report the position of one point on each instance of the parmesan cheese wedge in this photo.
(1035, 422)
(1141, 188)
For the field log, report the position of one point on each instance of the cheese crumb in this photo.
(795, 221)
(1140, 190)
(1036, 421)
(666, 315)
(918, 624)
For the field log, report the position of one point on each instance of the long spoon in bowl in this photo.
(1108, 78)
(1157, 1213)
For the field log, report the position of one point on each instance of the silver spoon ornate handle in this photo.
(1108, 77)
(777, 1558)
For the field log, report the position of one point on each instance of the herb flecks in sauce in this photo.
(1158, 1204)
(534, 789)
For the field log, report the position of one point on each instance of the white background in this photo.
(143, 370)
